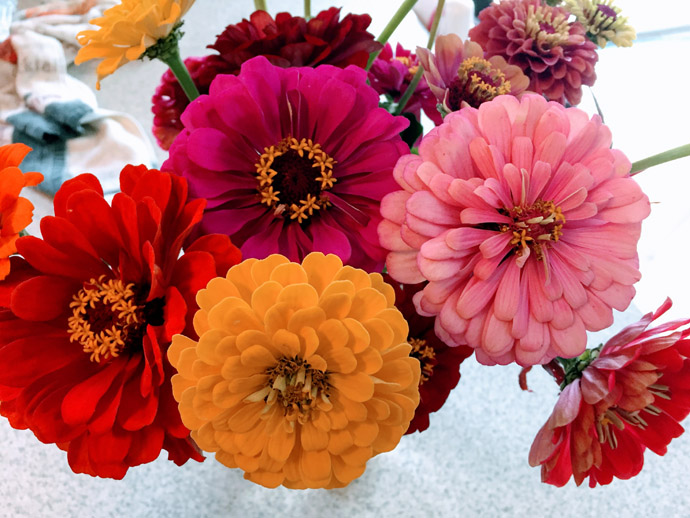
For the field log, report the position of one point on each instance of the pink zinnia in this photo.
(458, 74)
(631, 397)
(390, 75)
(292, 161)
(525, 222)
(554, 53)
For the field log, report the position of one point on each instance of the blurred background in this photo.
(472, 461)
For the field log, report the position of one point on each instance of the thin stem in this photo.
(420, 70)
(661, 158)
(260, 5)
(174, 61)
(307, 9)
(402, 11)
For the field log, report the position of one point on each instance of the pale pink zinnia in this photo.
(526, 224)
(631, 396)
(459, 76)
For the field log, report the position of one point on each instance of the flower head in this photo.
(440, 364)
(15, 212)
(169, 100)
(390, 75)
(555, 54)
(292, 160)
(127, 30)
(90, 312)
(602, 21)
(631, 397)
(524, 221)
(301, 374)
(459, 76)
(291, 41)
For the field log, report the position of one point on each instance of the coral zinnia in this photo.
(287, 41)
(555, 54)
(15, 212)
(301, 374)
(291, 41)
(169, 100)
(127, 30)
(92, 308)
(632, 396)
(292, 160)
(459, 76)
(525, 222)
(440, 364)
(390, 75)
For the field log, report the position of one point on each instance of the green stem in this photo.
(307, 9)
(402, 11)
(420, 70)
(174, 61)
(24, 233)
(260, 5)
(661, 158)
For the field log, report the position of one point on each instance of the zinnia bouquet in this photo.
(338, 225)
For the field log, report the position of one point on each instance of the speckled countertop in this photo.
(473, 459)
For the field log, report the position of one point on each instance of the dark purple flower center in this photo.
(606, 11)
(547, 28)
(478, 81)
(426, 356)
(293, 177)
(109, 317)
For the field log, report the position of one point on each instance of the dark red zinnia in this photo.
(440, 364)
(287, 41)
(88, 314)
(555, 54)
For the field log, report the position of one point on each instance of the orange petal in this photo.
(321, 269)
(357, 386)
(290, 273)
(316, 465)
(312, 438)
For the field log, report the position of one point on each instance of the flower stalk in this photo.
(398, 17)
(661, 158)
(307, 10)
(176, 65)
(420, 71)
(260, 5)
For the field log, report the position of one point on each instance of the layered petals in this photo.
(301, 372)
(526, 224)
(92, 308)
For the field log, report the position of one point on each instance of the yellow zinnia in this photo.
(301, 372)
(127, 30)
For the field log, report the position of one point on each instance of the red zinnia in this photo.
(169, 101)
(90, 312)
(440, 364)
(632, 396)
(287, 41)
(554, 53)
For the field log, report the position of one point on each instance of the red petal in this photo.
(224, 253)
(20, 271)
(146, 446)
(43, 298)
(80, 183)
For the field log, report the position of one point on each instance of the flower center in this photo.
(411, 66)
(546, 28)
(617, 416)
(477, 82)
(296, 387)
(607, 11)
(426, 356)
(534, 227)
(109, 317)
(293, 178)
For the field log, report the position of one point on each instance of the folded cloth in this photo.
(42, 106)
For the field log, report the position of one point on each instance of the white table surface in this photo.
(473, 459)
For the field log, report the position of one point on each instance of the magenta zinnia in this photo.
(292, 160)
(554, 53)
(526, 224)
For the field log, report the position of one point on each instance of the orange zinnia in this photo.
(301, 373)
(15, 212)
